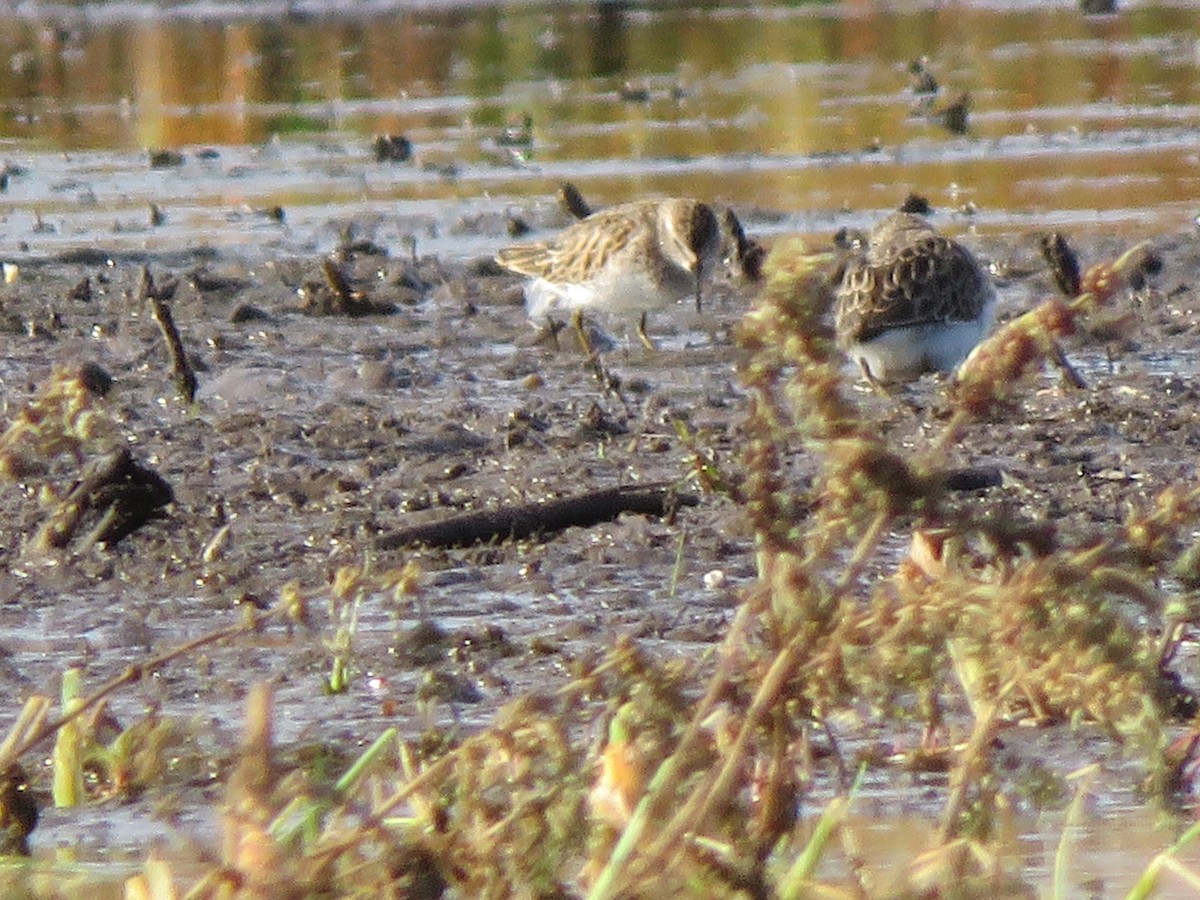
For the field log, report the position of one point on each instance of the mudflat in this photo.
(318, 429)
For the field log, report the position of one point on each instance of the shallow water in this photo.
(798, 115)
(1088, 123)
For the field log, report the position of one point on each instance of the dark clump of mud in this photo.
(329, 414)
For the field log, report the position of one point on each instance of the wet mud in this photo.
(315, 434)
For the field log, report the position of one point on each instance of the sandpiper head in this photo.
(691, 237)
(897, 229)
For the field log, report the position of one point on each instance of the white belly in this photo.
(620, 293)
(902, 354)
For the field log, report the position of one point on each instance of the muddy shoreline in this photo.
(313, 435)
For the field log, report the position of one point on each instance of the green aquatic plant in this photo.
(350, 585)
(68, 750)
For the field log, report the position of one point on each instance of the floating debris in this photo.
(165, 159)
(517, 135)
(634, 93)
(917, 205)
(8, 172)
(392, 148)
(955, 115)
(516, 226)
(921, 80)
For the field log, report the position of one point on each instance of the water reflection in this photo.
(789, 105)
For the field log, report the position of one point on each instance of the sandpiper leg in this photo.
(581, 333)
(646, 339)
(549, 334)
(876, 385)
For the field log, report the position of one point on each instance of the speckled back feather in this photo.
(909, 275)
(629, 258)
(582, 250)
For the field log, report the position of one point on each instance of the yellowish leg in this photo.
(581, 333)
(646, 339)
(611, 382)
(549, 334)
(876, 385)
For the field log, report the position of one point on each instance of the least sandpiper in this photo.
(913, 302)
(630, 258)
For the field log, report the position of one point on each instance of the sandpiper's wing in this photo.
(925, 280)
(580, 251)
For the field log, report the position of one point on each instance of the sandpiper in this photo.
(912, 302)
(630, 258)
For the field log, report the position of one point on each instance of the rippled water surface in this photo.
(800, 109)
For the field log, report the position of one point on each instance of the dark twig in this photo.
(530, 519)
(185, 376)
(346, 300)
(1063, 263)
(571, 200)
(336, 279)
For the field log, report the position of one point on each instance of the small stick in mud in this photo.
(345, 300)
(572, 201)
(337, 282)
(539, 519)
(185, 376)
(1064, 268)
(1063, 263)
